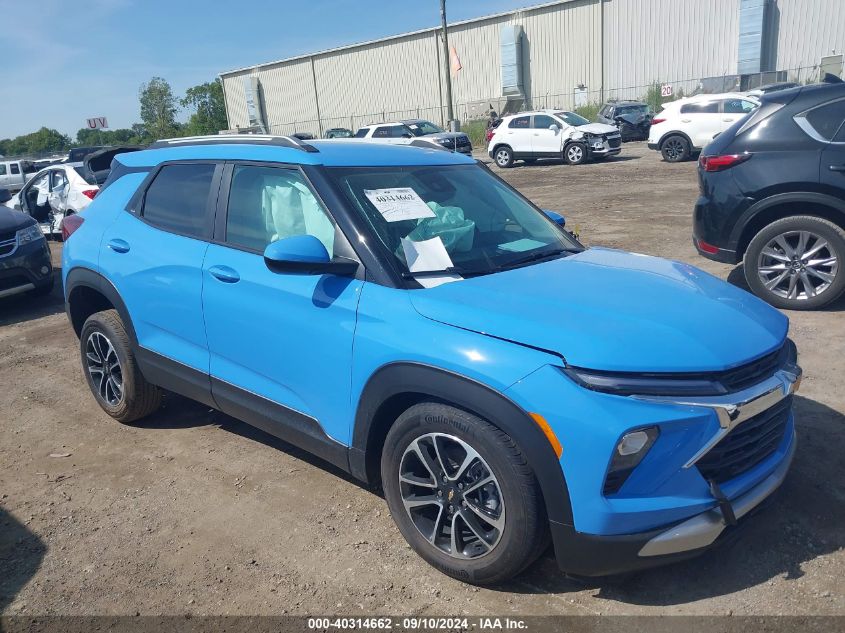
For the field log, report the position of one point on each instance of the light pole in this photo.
(450, 115)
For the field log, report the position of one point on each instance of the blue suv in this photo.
(406, 315)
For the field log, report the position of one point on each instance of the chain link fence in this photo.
(582, 100)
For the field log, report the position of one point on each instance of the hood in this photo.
(610, 310)
(597, 128)
(11, 220)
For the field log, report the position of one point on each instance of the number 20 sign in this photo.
(666, 90)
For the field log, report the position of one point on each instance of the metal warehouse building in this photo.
(559, 54)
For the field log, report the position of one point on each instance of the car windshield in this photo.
(457, 218)
(419, 128)
(571, 118)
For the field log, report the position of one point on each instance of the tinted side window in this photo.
(520, 121)
(543, 121)
(704, 107)
(737, 106)
(270, 203)
(2, 169)
(391, 131)
(15, 168)
(178, 197)
(361, 133)
(827, 119)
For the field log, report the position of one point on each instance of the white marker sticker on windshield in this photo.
(428, 255)
(401, 203)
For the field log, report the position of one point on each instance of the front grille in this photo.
(7, 247)
(747, 445)
(751, 373)
(614, 142)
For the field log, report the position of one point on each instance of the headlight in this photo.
(29, 234)
(629, 452)
(445, 141)
(621, 384)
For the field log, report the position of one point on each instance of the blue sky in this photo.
(67, 60)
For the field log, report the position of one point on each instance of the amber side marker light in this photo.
(547, 431)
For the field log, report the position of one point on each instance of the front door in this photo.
(154, 256)
(281, 344)
(546, 136)
(734, 109)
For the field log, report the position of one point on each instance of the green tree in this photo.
(158, 108)
(44, 141)
(206, 100)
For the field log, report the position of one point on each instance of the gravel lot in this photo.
(194, 512)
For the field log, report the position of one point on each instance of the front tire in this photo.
(675, 149)
(111, 369)
(503, 156)
(797, 263)
(462, 494)
(575, 153)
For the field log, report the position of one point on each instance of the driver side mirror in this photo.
(554, 127)
(305, 255)
(555, 217)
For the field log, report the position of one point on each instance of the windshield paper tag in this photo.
(428, 255)
(401, 203)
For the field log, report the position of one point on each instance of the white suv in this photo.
(685, 126)
(551, 134)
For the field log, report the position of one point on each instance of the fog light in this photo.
(44, 270)
(632, 443)
(630, 451)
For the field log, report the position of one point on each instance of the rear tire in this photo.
(111, 369)
(503, 156)
(797, 263)
(675, 149)
(516, 532)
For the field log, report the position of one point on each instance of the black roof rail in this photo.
(227, 139)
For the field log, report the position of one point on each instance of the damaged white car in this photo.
(529, 136)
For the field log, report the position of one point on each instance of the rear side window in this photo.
(703, 107)
(520, 121)
(15, 168)
(827, 119)
(177, 200)
(737, 106)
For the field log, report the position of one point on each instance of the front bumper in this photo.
(23, 269)
(596, 555)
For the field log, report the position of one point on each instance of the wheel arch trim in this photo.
(738, 234)
(684, 135)
(87, 278)
(434, 383)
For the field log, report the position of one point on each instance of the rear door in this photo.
(154, 253)
(828, 121)
(518, 134)
(701, 121)
(281, 344)
(546, 136)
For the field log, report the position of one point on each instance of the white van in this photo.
(13, 173)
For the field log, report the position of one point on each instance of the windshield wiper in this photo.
(534, 257)
(451, 270)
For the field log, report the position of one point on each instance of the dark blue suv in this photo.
(406, 315)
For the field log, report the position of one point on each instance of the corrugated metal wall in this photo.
(643, 41)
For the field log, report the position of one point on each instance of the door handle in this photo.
(728, 120)
(118, 245)
(837, 168)
(685, 120)
(225, 274)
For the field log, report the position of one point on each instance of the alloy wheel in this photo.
(674, 148)
(575, 153)
(452, 496)
(104, 368)
(502, 157)
(797, 265)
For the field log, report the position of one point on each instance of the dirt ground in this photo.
(191, 511)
